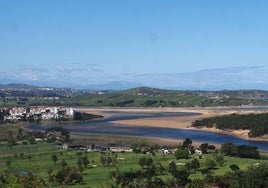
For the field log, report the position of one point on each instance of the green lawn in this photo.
(37, 158)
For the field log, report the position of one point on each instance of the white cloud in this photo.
(208, 79)
(32, 68)
(74, 68)
(64, 69)
(20, 76)
(260, 81)
(221, 78)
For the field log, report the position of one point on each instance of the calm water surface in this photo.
(106, 126)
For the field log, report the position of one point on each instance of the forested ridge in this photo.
(257, 124)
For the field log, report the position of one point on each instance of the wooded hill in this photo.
(256, 123)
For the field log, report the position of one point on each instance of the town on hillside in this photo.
(42, 113)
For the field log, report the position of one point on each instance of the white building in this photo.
(69, 111)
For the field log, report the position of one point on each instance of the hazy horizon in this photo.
(195, 45)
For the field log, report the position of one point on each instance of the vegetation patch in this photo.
(256, 123)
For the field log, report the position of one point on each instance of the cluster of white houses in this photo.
(45, 113)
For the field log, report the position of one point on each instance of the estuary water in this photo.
(107, 126)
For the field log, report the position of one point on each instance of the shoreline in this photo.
(103, 139)
(180, 122)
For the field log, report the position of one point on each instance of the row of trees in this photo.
(28, 137)
(65, 176)
(68, 174)
(256, 123)
(82, 116)
(64, 134)
(151, 173)
(243, 151)
(254, 176)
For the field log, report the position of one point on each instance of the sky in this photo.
(174, 44)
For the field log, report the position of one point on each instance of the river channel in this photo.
(108, 126)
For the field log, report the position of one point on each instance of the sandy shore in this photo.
(178, 122)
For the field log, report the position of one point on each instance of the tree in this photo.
(211, 147)
(146, 161)
(109, 160)
(188, 166)
(31, 118)
(195, 164)
(79, 162)
(209, 176)
(102, 160)
(219, 158)
(51, 178)
(63, 163)
(29, 156)
(10, 135)
(159, 168)
(82, 116)
(11, 142)
(65, 134)
(197, 183)
(210, 163)
(229, 149)
(181, 154)
(8, 162)
(54, 158)
(81, 169)
(187, 143)
(31, 140)
(181, 176)
(254, 176)
(234, 167)
(240, 151)
(172, 167)
(204, 147)
(85, 161)
(20, 134)
(68, 175)
(248, 152)
(79, 153)
(136, 148)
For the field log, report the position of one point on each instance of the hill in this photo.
(17, 86)
(19, 95)
(242, 94)
(152, 97)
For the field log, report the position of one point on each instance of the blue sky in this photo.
(180, 44)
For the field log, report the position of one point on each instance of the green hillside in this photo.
(151, 97)
(136, 97)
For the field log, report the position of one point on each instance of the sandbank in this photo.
(181, 122)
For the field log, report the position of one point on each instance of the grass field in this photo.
(36, 158)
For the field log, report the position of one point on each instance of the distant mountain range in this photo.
(17, 86)
(115, 85)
